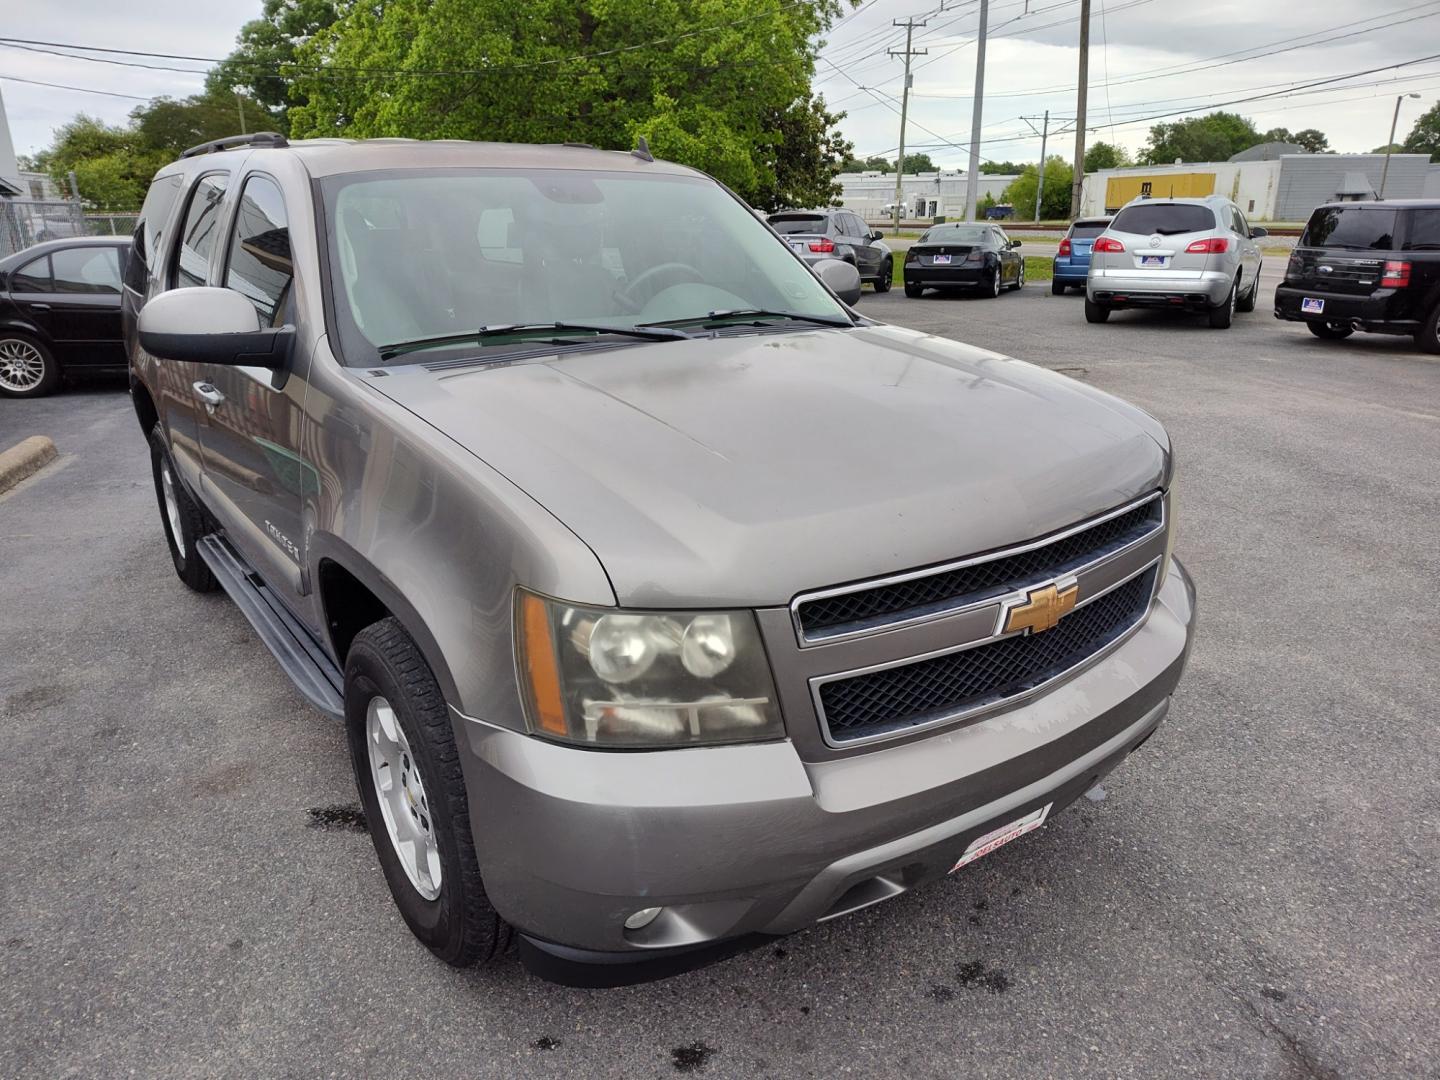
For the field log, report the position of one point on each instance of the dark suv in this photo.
(837, 234)
(1367, 266)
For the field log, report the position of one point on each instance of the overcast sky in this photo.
(1157, 56)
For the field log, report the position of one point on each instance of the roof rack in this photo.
(272, 139)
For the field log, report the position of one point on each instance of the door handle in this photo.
(209, 395)
(39, 307)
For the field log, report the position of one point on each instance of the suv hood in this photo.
(738, 471)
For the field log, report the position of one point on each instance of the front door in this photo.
(85, 316)
(253, 470)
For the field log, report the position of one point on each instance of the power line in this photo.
(80, 89)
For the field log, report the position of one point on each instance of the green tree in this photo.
(1214, 137)
(117, 181)
(853, 164)
(918, 163)
(265, 50)
(722, 86)
(1424, 137)
(1313, 140)
(999, 168)
(1054, 201)
(1103, 155)
(174, 125)
(1391, 148)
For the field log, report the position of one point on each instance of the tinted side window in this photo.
(1164, 218)
(93, 270)
(259, 264)
(1423, 232)
(857, 227)
(33, 277)
(197, 235)
(147, 240)
(1350, 227)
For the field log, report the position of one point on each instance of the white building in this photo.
(10, 184)
(925, 195)
(1284, 188)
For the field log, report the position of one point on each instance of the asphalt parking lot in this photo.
(186, 894)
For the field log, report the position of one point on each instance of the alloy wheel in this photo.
(21, 366)
(401, 794)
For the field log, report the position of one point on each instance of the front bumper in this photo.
(1376, 312)
(1158, 288)
(735, 842)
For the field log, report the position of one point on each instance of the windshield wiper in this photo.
(734, 314)
(483, 333)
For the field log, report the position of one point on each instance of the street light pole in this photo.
(1394, 120)
(972, 175)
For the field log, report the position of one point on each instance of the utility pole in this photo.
(908, 52)
(1084, 88)
(972, 175)
(1040, 176)
(1394, 121)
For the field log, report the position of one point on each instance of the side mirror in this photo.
(212, 326)
(875, 234)
(1014, 243)
(1257, 233)
(841, 278)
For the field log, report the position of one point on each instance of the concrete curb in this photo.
(24, 458)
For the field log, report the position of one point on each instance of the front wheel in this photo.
(408, 771)
(1329, 331)
(183, 521)
(1020, 277)
(1095, 313)
(887, 275)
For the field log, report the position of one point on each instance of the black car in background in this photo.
(60, 312)
(964, 255)
(837, 234)
(1367, 266)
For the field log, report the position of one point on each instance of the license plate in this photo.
(1152, 260)
(940, 260)
(1312, 305)
(998, 838)
(798, 247)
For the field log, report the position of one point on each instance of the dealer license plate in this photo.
(940, 260)
(1312, 305)
(1152, 260)
(997, 838)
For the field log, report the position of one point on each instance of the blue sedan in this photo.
(1072, 262)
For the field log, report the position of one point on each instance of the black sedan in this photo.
(60, 312)
(964, 255)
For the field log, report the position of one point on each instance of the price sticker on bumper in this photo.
(996, 838)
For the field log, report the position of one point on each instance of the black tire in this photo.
(1057, 287)
(1096, 313)
(189, 566)
(1329, 331)
(913, 291)
(887, 275)
(992, 290)
(1246, 303)
(49, 380)
(459, 926)
(1019, 278)
(1427, 338)
(1221, 317)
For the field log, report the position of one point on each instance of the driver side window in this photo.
(199, 233)
(258, 263)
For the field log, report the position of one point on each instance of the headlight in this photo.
(602, 677)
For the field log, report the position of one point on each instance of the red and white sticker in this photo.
(997, 838)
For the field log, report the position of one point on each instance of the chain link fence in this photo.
(24, 222)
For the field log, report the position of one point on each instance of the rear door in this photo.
(1344, 249)
(85, 320)
(1156, 235)
(1249, 249)
(868, 254)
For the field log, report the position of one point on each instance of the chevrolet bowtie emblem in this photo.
(1041, 608)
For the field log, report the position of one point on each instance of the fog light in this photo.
(642, 918)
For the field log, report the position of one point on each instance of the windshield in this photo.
(955, 234)
(420, 255)
(797, 223)
(1350, 227)
(1167, 219)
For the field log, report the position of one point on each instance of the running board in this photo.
(301, 657)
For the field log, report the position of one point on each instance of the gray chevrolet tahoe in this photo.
(668, 604)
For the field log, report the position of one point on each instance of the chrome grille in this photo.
(920, 595)
(951, 685)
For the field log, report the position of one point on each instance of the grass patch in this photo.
(1039, 267)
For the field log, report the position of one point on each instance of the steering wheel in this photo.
(683, 272)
